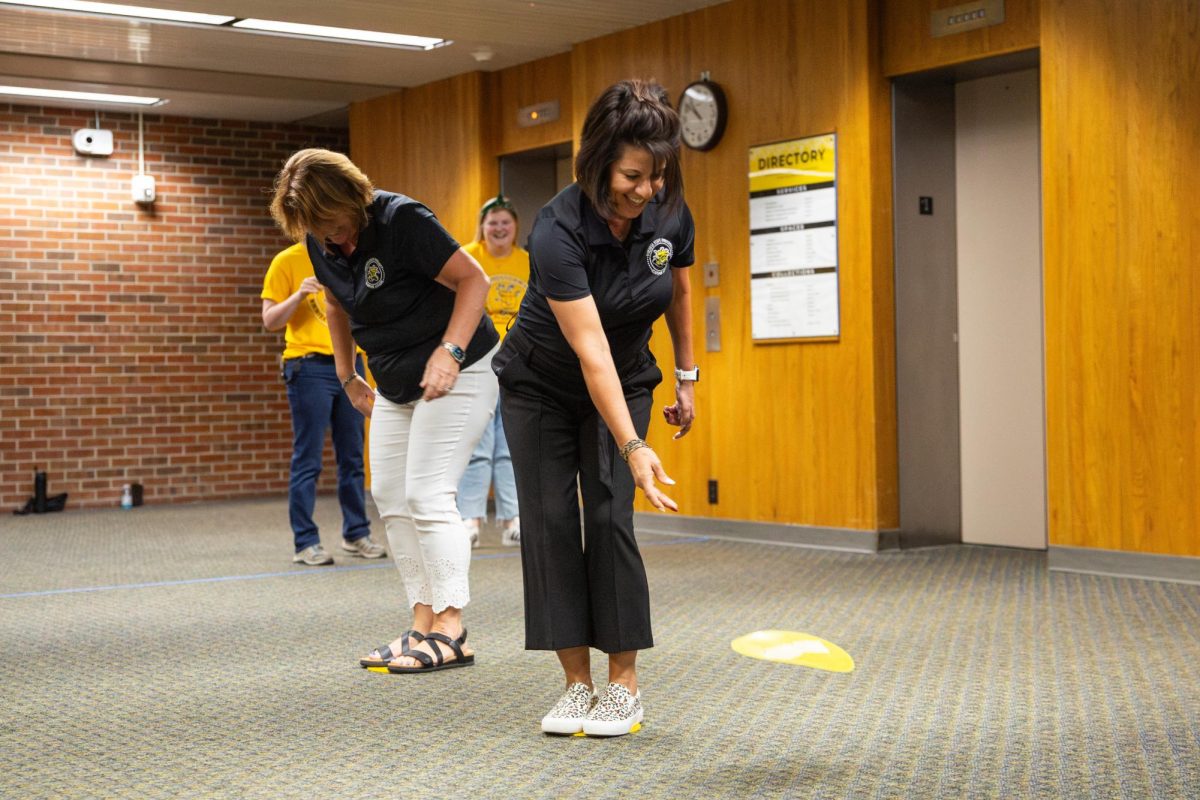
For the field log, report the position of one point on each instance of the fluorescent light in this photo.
(93, 97)
(254, 25)
(125, 11)
(324, 32)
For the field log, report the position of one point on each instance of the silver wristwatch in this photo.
(692, 374)
(455, 352)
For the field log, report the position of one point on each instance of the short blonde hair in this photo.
(316, 186)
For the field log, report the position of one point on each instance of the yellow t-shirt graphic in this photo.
(307, 331)
(509, 278)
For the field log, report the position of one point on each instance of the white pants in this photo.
(418, 453)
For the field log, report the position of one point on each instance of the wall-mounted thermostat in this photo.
(143, 189)
(92, 142)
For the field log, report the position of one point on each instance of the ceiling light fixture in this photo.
(141, 12)
(339, 34)
(91, 97)
(268, 26)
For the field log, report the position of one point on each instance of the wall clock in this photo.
(702, 115)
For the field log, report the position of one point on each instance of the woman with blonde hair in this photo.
(507, 266)
(401, 287)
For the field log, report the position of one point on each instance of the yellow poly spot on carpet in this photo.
(637, 726)
(790, 647)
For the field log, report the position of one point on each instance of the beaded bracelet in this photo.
(349, 380)
(630, 446)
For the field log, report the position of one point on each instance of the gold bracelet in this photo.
(349, 380)
(630, 446)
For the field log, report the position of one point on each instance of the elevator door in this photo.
(530, 179)
(969, 320)
(1000, 319)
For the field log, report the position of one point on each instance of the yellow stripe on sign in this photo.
(790, 647)
(799, 162)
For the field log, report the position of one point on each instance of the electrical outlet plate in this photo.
(143, 189)
(712, 324)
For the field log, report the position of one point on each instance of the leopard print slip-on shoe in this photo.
(619, 712)
(566, 718)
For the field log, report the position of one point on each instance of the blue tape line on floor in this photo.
(307, 571)
(221, 578)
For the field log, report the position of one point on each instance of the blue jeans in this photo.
(318, 403)
(490, 464)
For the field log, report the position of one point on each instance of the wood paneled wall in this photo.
(430, 143)
(805, 433)
(909, 46)
(801, 432)
(1121, 227)
(794, 433)
(536, 82)
(1120, 144)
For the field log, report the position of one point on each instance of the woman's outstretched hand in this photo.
(648, 472)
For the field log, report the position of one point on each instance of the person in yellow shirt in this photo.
(507, 266)
(294, 300)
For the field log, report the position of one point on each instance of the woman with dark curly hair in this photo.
(608, 257)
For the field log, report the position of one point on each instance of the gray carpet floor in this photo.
(177, 652)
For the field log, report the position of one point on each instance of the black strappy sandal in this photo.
(386, 654)
(437, 660)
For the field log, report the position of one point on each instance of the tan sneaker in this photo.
(364, 548)
(314, 556)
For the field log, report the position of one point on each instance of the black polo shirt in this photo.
(398, 312)
(573, 254)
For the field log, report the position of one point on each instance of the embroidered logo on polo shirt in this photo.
(374, 273)
(658, 255)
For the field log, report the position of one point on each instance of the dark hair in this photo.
(314, 187)
(631, 112)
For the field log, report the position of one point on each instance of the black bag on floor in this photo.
(40, 503)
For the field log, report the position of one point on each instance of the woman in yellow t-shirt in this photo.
(294, 300)
(507, 265)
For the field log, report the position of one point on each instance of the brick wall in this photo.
(131, 338)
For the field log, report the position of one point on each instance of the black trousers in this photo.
(587, 589)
